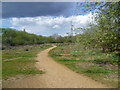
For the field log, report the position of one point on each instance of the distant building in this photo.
(24, 30)
(56, 36)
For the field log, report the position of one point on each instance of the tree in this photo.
(105, 33)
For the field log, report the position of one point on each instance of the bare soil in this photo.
(56, 76)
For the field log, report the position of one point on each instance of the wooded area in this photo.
(12, 37)
(103, 33)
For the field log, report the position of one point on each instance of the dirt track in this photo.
(56, 76)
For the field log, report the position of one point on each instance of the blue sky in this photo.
(43, 18)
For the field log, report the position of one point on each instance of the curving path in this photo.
(56, 76)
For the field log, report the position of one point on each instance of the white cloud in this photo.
(56, 26)
(12, 27)
(48, 25)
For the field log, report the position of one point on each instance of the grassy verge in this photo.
(102, 67)
(21, 60)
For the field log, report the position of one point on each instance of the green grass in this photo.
(17, 60)
(102, 67)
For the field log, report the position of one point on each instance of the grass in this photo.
(21, 60)
(102, 67)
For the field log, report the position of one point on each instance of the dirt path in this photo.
(56, 76)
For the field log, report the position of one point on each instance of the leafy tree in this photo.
(105, 32)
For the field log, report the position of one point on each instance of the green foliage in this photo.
(105, 32)
(12, 37)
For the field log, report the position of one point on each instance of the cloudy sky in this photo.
(43, 18)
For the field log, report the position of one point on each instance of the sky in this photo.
(43, 18)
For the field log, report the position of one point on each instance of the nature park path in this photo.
(56, 76)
